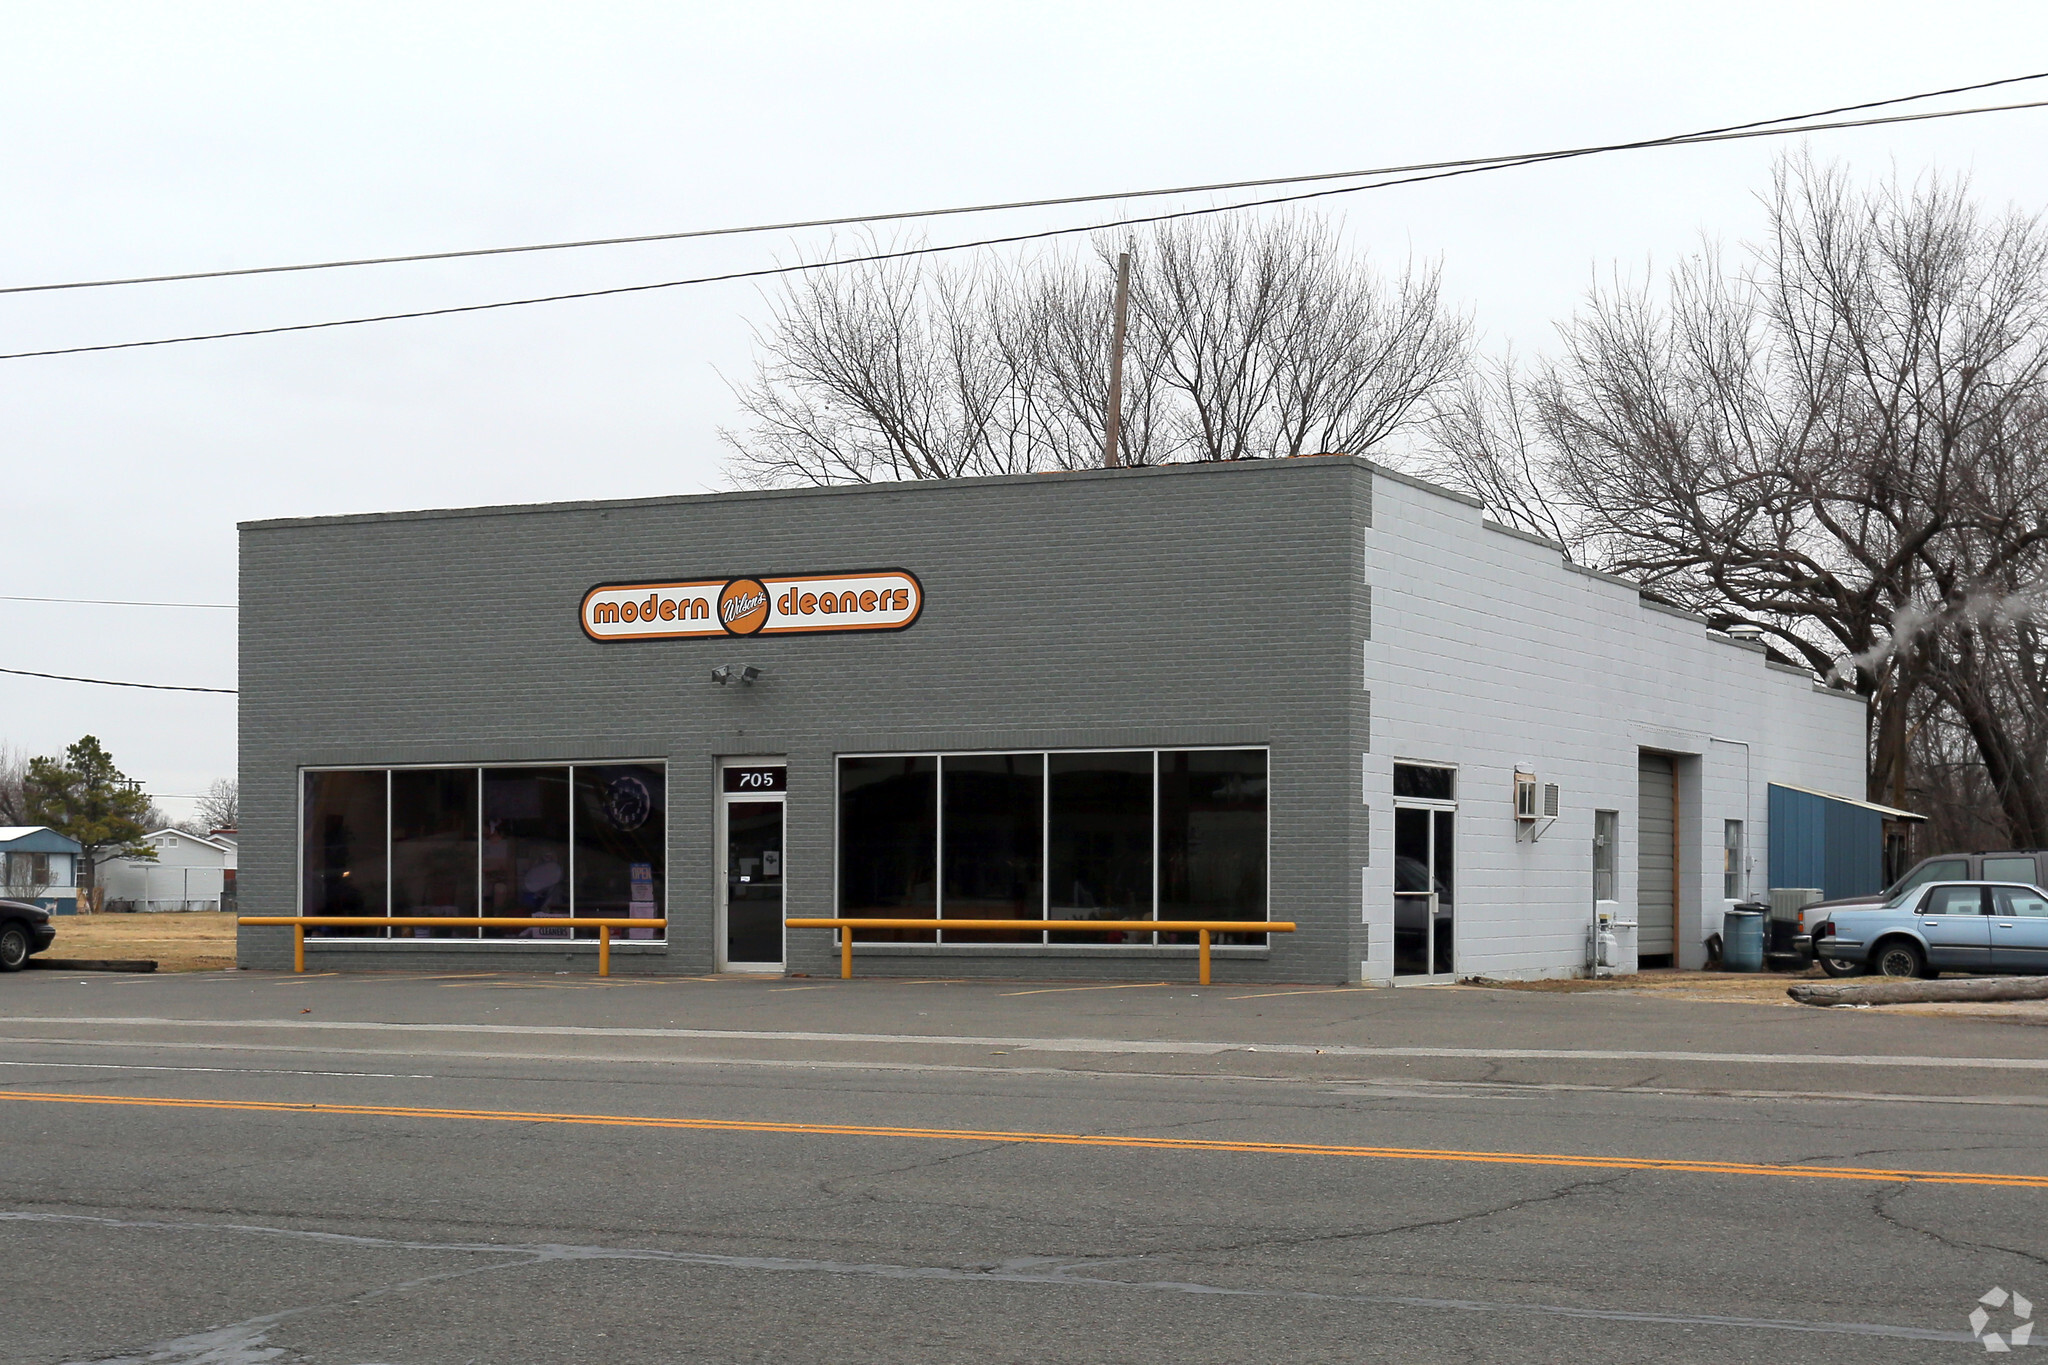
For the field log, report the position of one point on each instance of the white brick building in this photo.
(1489, 654)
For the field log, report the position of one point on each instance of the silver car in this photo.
(1999, 927)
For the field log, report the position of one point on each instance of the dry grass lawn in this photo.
(178, 942)
(1753, 988)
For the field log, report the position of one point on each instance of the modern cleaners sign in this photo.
(788, 604)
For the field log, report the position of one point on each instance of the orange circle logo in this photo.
(743, 606)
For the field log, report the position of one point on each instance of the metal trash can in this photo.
(1782, 928)
(1742, 940)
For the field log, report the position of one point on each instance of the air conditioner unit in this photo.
(1790, 902)
(1536, 805)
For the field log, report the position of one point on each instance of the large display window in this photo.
(560, 841)
(1118, 835)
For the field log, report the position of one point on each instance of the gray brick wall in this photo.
(1196, 605)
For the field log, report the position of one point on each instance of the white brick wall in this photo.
(1488, 653)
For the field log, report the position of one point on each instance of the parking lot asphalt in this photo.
(239, 1166)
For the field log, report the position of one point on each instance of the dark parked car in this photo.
(1997, 927)
(24, 931)
(2012, 865)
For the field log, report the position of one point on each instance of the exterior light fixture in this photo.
(748, 673)
(722, 675)
(725, 675)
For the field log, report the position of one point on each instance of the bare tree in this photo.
(1246, 340)
(220, 807)
(27, 876)
(1844, 444)
(14, 786)
(1274, 343)
(1486, 440)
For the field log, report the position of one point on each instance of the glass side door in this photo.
(1425, 901)
(753, 884)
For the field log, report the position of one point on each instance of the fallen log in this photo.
(93, 964)
(1892, 991)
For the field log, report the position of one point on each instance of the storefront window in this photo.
(621, 819)
(1212, 838)
(1100, 821)
(515, 842)
(889, 843)
(992, 833)
(526, 848)
(1125, 836)
(434, 847)
(342, 849)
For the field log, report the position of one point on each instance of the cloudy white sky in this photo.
(153, 138)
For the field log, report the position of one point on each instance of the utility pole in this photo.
(1114, 419)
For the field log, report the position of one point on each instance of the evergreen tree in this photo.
(85, 797)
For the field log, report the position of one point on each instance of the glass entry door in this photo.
(1425, 901)
(753, 869)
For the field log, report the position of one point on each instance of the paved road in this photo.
(239, 1167)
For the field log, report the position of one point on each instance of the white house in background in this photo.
(191, 872)
(40, 865)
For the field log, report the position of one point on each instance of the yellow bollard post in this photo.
(604, 950)
(845, 953)
(1205, 957)
(298, 947)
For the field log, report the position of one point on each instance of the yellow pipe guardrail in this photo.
(299, 924)
(1203, 927)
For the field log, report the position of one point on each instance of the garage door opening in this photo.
(1656, 860)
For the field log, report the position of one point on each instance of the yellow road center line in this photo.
(1320, 990)
(1175, 1144)
(1060, 990)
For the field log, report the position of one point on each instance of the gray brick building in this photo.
(1307, 689)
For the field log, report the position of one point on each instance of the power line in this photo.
(1754, 130)
(108, 602)
(105, 682)
(1678, 140)
(1005, 206)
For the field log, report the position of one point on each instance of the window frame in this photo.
(568, 766)
(1046, 755)
(1430, 802)
(1906, 886)
(1612, 848)
(2002, 895)
(1927, 897)
(2003, 860)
